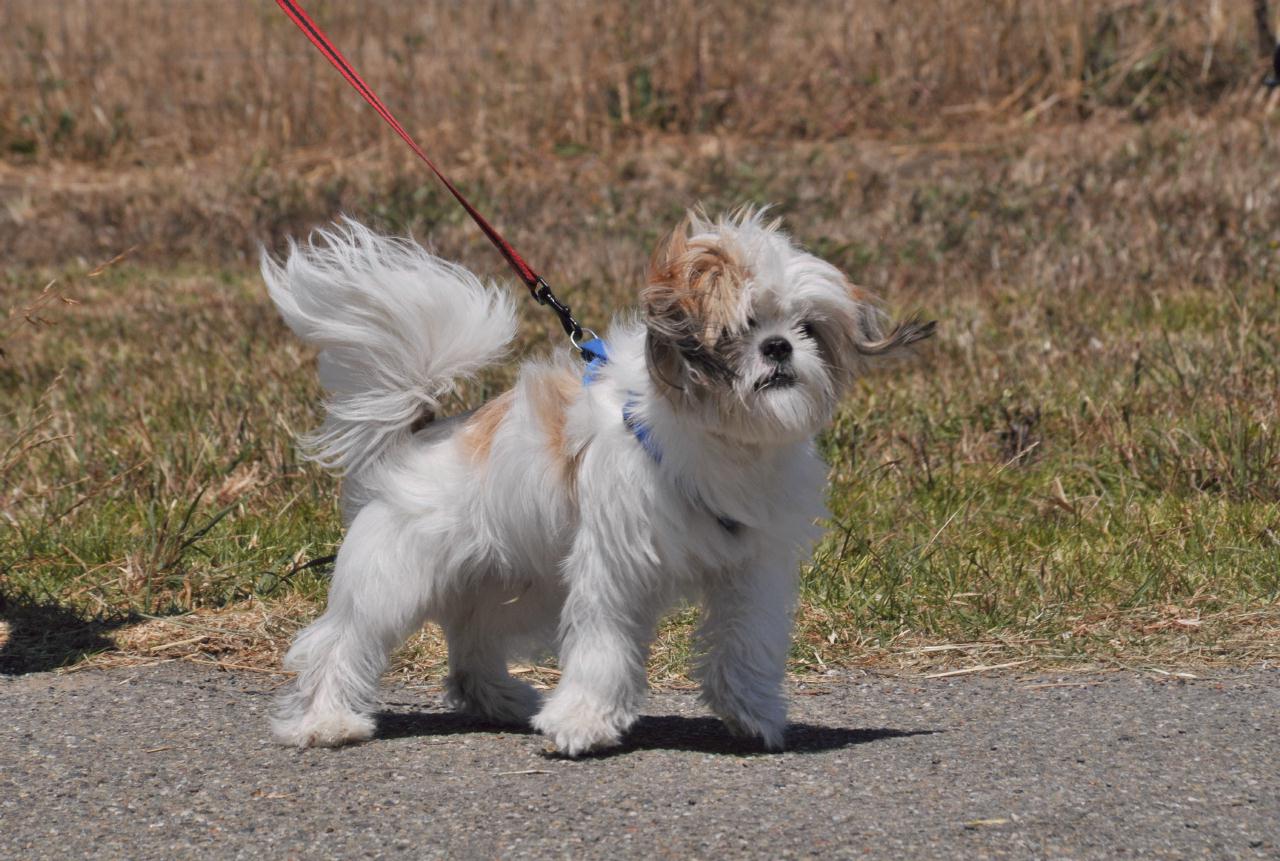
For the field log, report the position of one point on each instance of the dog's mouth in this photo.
(779, 379)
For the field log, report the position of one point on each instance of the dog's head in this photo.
(751, 336)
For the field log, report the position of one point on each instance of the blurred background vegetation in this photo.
(1084, 466)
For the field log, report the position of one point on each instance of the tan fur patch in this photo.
(551, 393)
(697, 280)
(478, 432)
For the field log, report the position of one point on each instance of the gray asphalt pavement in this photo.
(173, 762)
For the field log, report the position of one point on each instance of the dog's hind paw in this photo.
(504, 700)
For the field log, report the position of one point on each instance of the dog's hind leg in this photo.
(481, 627)
(379, 596)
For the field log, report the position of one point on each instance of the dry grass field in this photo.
(1081, 469)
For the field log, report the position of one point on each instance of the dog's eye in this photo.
(809, 330)
(751, 322)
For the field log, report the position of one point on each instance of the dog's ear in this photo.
(690, 302)
(863, 333)
(872, 336)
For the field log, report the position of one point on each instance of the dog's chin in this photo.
(777, 409)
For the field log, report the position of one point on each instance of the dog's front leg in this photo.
(606, 627)
(743, 639)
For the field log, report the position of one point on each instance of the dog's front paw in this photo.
(577, 725)
(771, 734)
(765, 719)
(330, 729)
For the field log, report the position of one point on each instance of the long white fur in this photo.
(396, 327)
(505, 554)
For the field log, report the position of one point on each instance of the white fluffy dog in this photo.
(572, 510)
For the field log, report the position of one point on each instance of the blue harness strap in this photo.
(597, 356)
(640, 430)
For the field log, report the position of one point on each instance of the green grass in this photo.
(1083, 465)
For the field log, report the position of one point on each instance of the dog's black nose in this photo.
(776, 348)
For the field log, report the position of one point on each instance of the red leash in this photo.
(537, 286)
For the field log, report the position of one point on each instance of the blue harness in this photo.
(597, 356)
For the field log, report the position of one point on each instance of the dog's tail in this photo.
(396, 327)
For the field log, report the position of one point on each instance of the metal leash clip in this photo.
(584, 341)
(542, 293)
